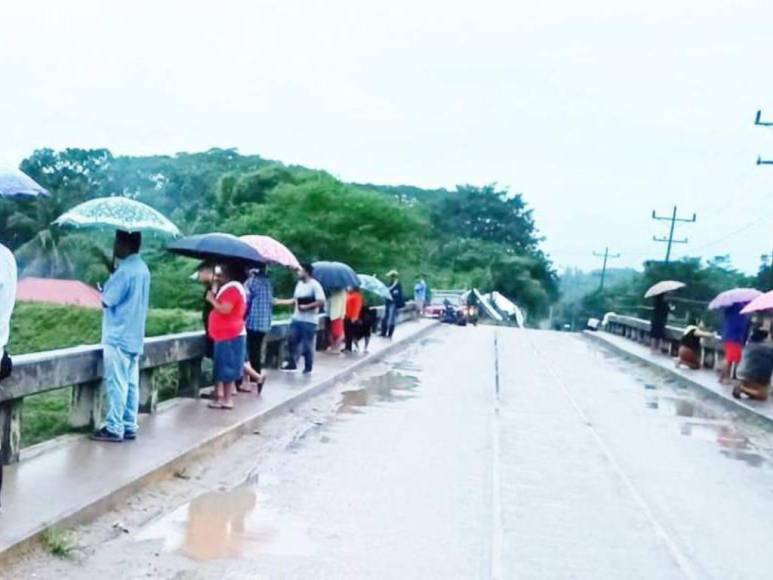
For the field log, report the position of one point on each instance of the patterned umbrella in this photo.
(374, 285)
(734, 296)
(18, 184)
(335, 275)
(119, 213)
(273, 250)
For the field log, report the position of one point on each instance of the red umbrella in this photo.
(273, 250)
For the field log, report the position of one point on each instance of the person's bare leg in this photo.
(217, 396)
(227, 402)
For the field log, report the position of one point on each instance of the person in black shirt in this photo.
(690, 347)
(392, 306)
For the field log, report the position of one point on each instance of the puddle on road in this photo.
(391, 386)
(732, 443)
(680, 407)
(698, 416)
(230, 525)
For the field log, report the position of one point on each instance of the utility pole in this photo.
(758, 121)
(670, 239)
(606, 256)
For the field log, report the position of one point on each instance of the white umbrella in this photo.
(664, 287)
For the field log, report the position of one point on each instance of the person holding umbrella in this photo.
(125, 298)
(226, 329)
(308, 298)
(660, 310)
(735, 330)
(396, 302)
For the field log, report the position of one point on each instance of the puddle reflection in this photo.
(390, 386)
(732, 443)
(229, 525)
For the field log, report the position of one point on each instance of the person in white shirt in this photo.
(7, 295)
(7, 300)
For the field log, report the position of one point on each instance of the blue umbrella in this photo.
(216, 246)
(335, 275)
(18, 184)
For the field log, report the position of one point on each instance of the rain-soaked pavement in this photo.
(483, 453)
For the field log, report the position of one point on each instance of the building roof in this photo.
(63, 292)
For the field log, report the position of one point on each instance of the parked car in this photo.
(437, 306)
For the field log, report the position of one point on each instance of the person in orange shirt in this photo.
(352, 322)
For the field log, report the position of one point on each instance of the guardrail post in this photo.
(148, 391)
(10, 431)
(86, 405)
(189, 378)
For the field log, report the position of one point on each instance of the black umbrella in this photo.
(335, 275)
(214, 247)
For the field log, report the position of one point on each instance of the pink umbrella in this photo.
(764, 302)
(273, 250)
(734, 296)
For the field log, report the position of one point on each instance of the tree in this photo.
(488, 214)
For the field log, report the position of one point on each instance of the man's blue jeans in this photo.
(302, 335)
(390, 317)
(122, 389)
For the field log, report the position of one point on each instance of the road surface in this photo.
(479, 453)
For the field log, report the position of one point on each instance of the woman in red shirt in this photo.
(226, 329)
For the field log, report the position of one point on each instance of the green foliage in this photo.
(37, 327)
(58, 542)
(322, 218)
(45, 416)
(373, 228)
(626, 296)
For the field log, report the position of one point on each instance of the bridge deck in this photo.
(73, 477)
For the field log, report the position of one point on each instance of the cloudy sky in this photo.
(597, 111)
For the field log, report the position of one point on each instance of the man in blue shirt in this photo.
(125, 302)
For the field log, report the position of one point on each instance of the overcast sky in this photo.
(597, 111)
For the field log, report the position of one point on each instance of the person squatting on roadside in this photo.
(756, 367)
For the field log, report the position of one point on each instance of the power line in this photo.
(758, 121)
(606, 256)
(670, 239)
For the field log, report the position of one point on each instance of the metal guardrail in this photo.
(638, 329)
(81, 368)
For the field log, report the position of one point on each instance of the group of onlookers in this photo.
(237, 315)
(748, 351)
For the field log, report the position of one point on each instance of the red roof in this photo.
(65, 292)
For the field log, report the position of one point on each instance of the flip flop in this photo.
(215, 405)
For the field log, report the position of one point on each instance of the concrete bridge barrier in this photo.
(80, 368)
(638, 329)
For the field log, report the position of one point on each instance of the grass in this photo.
(38, 327)
(58, 542)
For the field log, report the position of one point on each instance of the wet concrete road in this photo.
(483, 453)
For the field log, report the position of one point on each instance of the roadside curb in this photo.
(96, 506)
(726, 399)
